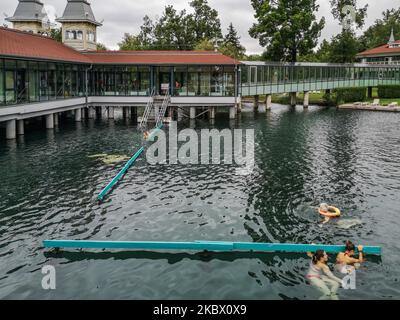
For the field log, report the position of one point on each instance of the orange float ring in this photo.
(336, 212)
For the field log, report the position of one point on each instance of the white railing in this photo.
(162, 110)
(147, 111)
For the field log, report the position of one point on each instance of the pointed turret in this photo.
(392, 39)
(79, 26)
(30, 16)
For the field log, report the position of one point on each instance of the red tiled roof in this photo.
(381, 50)
(160, 57)
(28, 45)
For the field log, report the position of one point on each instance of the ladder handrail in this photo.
(148, 109)
(162, 110)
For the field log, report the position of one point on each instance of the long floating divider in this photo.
(202, 246)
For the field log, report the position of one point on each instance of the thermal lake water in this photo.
(50, 181)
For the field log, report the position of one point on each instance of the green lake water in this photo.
(50, 181)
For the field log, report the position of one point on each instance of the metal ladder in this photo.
(162, 110)
(147, 111)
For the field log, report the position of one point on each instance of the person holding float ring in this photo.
(328, 212)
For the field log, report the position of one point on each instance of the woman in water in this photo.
(345, 262)
(321, 277)
(328, 212)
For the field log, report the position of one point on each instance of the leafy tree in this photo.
(253, 57)
(205, 45)
(344, 47)
(130, 42)
(287, 28)
(56, 34)
(379, 33)
(231, 45)
(171, 32)
(340, 13)
(101, 47)
(204, 22)
(321, 55)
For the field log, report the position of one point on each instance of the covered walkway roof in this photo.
(22, 44)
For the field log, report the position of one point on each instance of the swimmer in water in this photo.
(321, 277)
(146, 135)
(326, 210)
(345, 262)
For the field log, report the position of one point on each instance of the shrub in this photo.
(340, 96)
(389, 92)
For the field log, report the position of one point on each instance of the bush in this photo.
(340, 96)
(389, 92)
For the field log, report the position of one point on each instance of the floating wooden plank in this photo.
(202, 246)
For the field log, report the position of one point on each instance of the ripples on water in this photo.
(49, 186)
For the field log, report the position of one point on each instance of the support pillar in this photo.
(125, 113)
(262, 108)
(293, 101)
(192, 113)
(11, 129)
(180, 113)
(78, 115)
(110, 112)
(369, 92)
(211, 111)
(306, 101)
(232, 112)
(83, 113)
(20, 127)
(256, 102)
(268, 102)
(50, 121)
(91, 113)
(133, 113)
(98, 112)
(55, 119)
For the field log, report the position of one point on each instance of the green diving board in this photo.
(126, 167)
(202, 246)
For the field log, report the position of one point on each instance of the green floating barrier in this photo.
(120, 174)
(202, 246)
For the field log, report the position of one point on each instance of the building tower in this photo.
(30, 16)
(392, 40)
(79, 26)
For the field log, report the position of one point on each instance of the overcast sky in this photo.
(122, 16)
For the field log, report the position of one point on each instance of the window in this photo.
(33, 82)
(217, 81)
(90, 36)
(144, 76)
(10, 87)
(181, 83)
(2, 96)
(229, 81)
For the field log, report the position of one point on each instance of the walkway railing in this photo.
(162, 110)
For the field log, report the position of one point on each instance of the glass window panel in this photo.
(144, 80)
(181, 82)
(229, 81)
(217, 81)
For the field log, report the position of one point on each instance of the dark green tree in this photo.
(56, 34)
(101, 47)
(287, 28)
(321, 55)
(204, 21)
(231, 45)
(172, 32)
(344, 47)
(379, 33)
(130, 42)
(347, 18)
